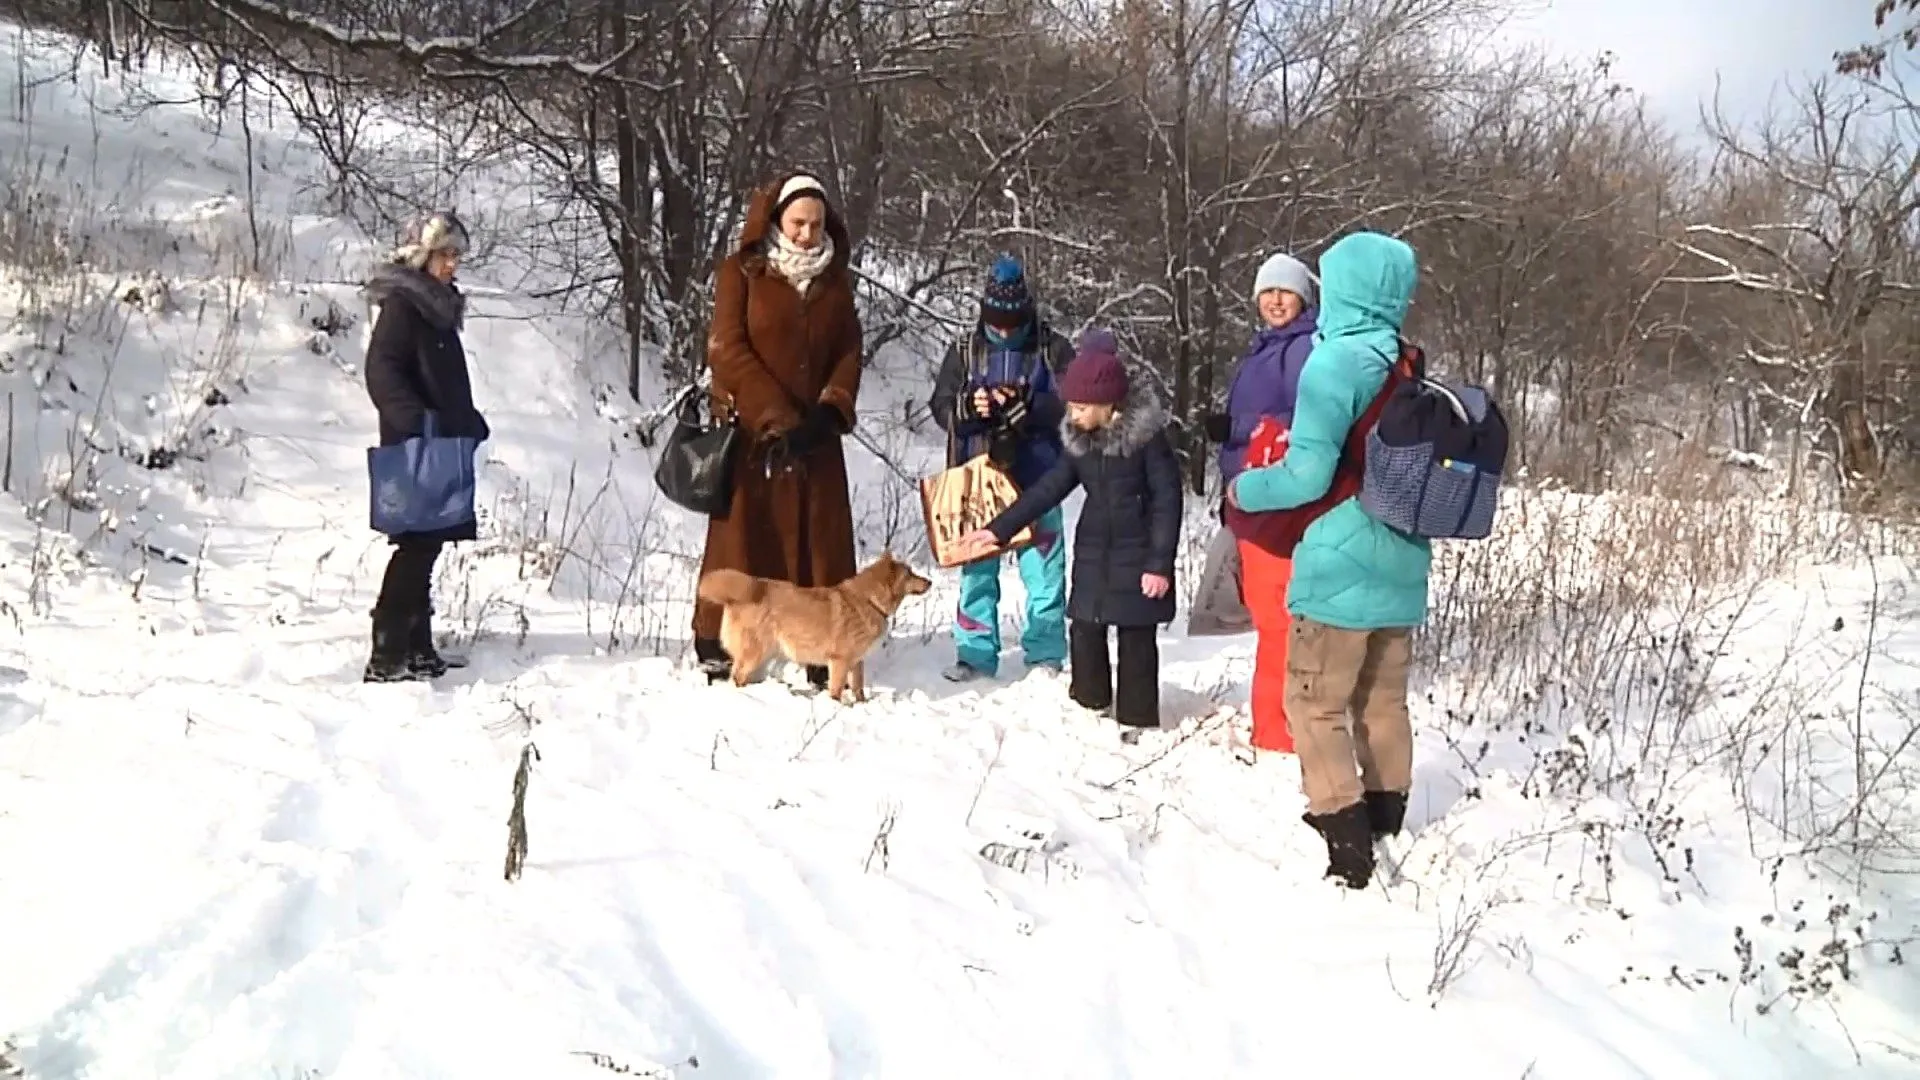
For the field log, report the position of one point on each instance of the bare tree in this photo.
(1141, 158)
(1816, 223)
(651, 122)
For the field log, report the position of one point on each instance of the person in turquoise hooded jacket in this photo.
(1359, 587)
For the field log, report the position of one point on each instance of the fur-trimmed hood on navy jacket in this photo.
(1130, 522)
(1137, 420)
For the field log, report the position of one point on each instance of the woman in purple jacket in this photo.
(1263, 386)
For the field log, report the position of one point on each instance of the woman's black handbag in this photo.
(695, 469)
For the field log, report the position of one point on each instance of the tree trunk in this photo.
(631, 167)
(1859, 448)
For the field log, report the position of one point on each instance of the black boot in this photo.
(388, 659)
(1386, 812)
(422, 658)
(712, 660)
(817, 676)
(1089, 668)
(1349, 837)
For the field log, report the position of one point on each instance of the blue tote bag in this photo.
(424, 484)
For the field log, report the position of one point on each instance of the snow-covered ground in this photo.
(1664, 815)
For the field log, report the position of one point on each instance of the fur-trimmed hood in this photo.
(441, 305)
(1139, 418)
(753, 233)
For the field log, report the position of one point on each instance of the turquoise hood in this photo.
(1349, 571)
(1366, 285)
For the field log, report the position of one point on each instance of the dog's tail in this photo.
(725, 587)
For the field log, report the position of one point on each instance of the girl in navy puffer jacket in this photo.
(1128, 535)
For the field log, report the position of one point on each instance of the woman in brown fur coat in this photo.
(785, 352)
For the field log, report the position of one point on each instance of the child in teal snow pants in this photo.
(995, 396)
(1043, 572)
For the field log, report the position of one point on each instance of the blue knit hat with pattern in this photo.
(1006, 302)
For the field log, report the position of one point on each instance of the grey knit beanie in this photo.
(1283, 271)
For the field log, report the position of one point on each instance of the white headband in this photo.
(799, 184)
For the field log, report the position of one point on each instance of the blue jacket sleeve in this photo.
(1323, 414)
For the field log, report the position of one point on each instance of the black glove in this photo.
(822, 423)
(778, 455)
(1218, 426)
(1002, 449)
(1012, 414)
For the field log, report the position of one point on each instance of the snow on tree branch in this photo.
(270, 24)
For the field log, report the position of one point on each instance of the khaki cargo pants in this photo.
(1347, 706)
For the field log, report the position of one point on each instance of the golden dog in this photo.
(836, 626)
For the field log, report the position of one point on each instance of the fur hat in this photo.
(1283, 271)
(1006, 303)
(438, 231)
(1096, 376)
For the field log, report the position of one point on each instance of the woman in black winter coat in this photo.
(1127, 536)
(415, 365)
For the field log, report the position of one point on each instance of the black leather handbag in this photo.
(695, 469)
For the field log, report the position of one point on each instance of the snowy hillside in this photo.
(1665, 814)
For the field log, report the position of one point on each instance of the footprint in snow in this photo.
(1028, 845)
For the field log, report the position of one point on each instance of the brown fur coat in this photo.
(774, 354)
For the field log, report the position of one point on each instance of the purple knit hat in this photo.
(1096, 376)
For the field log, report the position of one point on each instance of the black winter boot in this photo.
(1386, 812)
(1089, 668)
(422, 658)
(1349, 837)
(712, 660)
(817, 676)
(388, 660)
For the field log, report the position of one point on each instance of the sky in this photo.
(1671, 50)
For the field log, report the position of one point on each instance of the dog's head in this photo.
(899, 581)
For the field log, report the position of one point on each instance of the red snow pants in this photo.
(1263, 585)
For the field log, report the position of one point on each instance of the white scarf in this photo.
(797, 264)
